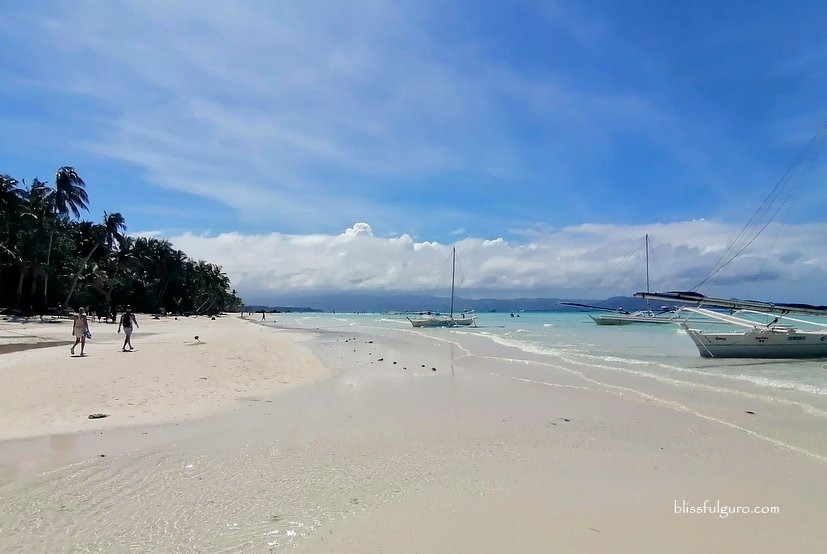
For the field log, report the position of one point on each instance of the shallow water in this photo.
(661, 351)
(438, 410)
(278, 470)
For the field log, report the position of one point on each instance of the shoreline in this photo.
(487, 453)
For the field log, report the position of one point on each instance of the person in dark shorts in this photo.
(128, 320)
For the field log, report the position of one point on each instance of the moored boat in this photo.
(647, 316)
(783, 337)
(441, 320)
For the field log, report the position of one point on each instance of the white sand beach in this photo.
(170, 376)
(393, 441)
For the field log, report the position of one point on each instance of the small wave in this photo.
(778, 384)
(576, 355)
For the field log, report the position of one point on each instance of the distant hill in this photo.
(410, 302)
(278, 309)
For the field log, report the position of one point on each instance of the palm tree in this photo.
(67, 198)
(24, 244)
(113, 227)
(11, 198)
(175, 271)
(10, 193)
(208, 286)
(107, 279)
(165, 259)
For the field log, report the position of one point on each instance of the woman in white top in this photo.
(80, 330)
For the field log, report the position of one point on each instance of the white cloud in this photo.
(315, 117)
(580, 261)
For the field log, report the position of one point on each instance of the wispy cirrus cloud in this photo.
(363, 113)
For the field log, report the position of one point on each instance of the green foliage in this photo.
(49, 260)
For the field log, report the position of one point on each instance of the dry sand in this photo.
(170, 376)
(485, 454)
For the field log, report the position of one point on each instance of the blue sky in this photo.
(283, 124)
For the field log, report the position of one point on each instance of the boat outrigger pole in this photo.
(698, 299)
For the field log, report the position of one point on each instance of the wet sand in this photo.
(486, 454)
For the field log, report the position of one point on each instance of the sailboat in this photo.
(665, 314)
(783, 337)
(441, 320)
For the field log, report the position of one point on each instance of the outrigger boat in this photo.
(441, 320)
(624, 317)
(783, 337)
(663, 315)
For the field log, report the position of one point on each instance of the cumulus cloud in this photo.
(579, 261)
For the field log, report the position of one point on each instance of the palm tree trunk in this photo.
(13, 256)
(163, 291)
(107, 294)
(77, 275)
(33, 288)
(48, 260)
(22, 268)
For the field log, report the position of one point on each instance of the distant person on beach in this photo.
(262, 314)
(127, 321)
(80, 330)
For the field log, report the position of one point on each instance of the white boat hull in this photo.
(626, 319)
(439, 320)
(442, 321)
(760, 343)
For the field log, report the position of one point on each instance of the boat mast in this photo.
(453, 270)
(646, 242)
(647, 262)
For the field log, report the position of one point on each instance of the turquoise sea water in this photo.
(659, 352)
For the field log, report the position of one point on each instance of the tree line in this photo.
(52, 261)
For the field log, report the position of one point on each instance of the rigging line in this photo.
(636, 259)
(776, 190)
(460, 275)
(437, 281)
(774, 241)
(738, 253)
(735, 249)
(655, 276)
(624, 264)
(805, 163)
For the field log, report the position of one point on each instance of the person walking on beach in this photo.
(80, 330)
(127, 321)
